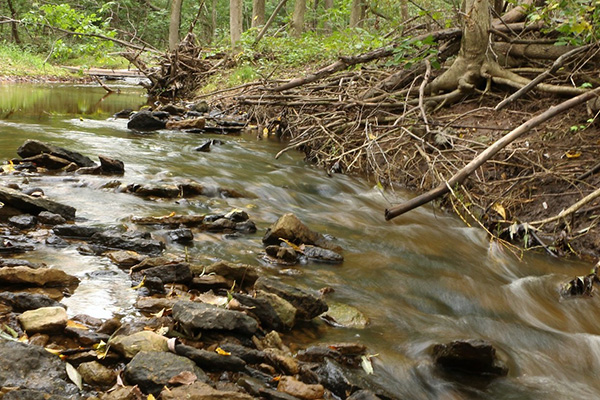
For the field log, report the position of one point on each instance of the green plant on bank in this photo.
(15, 61)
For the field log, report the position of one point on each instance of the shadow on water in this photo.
(422, 279)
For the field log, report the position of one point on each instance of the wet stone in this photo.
(22, 275)
(250, 356)
(152, 370)
(145, 121)
(262, 309)
(111, 166)
(23, 222)
(35, 147)
(125, 258)
(56, 241)
(208, 317)
(48, 161)
(44, 320)
(292, 386)
(475, 357)
(242, 274)
(95, 374)
(114, 240)
(21, 302)
(170, 273)
(182, 235)
(211, 361)
(48, 218)
(75, 231)
(201, 391)
(319, 254)
(130, 345)
(308, 306)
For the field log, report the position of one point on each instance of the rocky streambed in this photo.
(204, 331)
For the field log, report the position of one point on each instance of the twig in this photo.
(565, 213)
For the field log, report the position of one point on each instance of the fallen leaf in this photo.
(76, 325)
(159, 314)
(74, 376)
(499, 209)
(292, 245)
(140, 284)
(184, 378)
(366, 364)
(222, 352)
(151, 397)
(53, 351)
(573, 154)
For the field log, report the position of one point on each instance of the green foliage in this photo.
(409, 51)
(575, 22)
(66, 18)
(16, 61)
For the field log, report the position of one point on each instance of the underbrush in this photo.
(15, 61)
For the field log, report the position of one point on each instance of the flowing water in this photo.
(422, 279)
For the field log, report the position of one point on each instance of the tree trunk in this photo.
(235, 21)
(327, 5)
(13, 25)
(466, 71)
(404, 10)
(258, 13)
(174, 23)
(298, 17)
(356, 13)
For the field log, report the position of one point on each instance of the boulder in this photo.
(343, 380)
(292, 386)
(34, 205)
(32, 367)
(34, 147)
(22, 275)
(473, 357)
(44, 320)
(284, 309)
(308, 306)
(208, 317)
(21, 302)
(210, 360)
(290, 228)
(152, 370)
(95, 374)
(201, 391)
(130, 345)
(145, 121)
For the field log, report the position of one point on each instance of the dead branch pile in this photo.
(379, 122)
(179, 73)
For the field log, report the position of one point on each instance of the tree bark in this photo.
(235, 21)
(356, 13)
(174, 22)
(327, 5)
(258, 13)
(404, 10)
(298, 17)
(13, 24)
(269, 22)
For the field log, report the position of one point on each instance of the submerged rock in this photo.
(473, 357)
(48, 218)
(137, 243)
(23, 222)
(34, 147)
(208, 317)
(343, 315)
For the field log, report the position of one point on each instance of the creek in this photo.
(424, 278)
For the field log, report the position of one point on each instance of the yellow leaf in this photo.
(159, 314)
(150, 397)
(140, 284)
(499, 209)
(573, 154)
(53, 351)
(76, 325)
(372, 137)
(265, 131)
(292, 245)
(222, 352)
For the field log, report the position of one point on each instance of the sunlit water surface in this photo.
(422, 279)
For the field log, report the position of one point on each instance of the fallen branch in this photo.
(565, 213)
(462, 174)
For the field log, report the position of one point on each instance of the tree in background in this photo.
(174, 24)
(235, 21)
